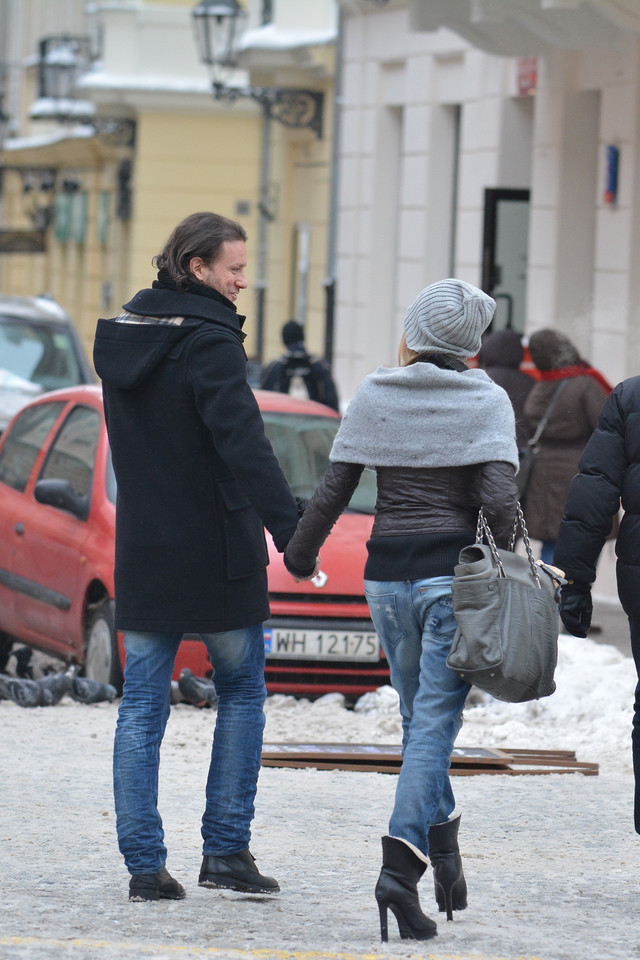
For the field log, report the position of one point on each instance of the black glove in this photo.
(576, 607)
(302, 503)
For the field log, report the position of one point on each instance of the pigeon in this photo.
(54, 686)
(197, 690)
(26, 693)
(85, 690)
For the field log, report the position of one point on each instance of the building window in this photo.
(62, 217)
(79, 204)
(103, 218)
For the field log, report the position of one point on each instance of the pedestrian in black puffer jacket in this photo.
(609, 477)
(441, 438)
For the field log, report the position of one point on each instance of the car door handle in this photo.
(19, 528)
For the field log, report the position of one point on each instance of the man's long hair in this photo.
(198, 235)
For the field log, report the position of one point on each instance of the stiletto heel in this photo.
(384, 929)
(444, 899)
(448, 879)
(397, 890)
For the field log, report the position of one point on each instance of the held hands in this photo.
(316, 570)
(576, 608)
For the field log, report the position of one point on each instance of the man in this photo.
(197, 481)
(297, 364)
(609, 475)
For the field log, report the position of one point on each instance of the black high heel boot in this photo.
(448, 878)
(397, 890)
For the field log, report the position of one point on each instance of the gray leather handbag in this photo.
(506, 609)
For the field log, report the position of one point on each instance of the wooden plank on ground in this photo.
(387, 758)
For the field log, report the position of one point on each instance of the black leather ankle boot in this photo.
(448, 878)
(397, 890)
(155, 886)
(236, 871)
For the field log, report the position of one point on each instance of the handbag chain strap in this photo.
(483, 530)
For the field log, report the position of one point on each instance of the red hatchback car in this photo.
(57, 524)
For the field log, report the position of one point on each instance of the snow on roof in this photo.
(61, 106)
(270, 38)
(72, 133)
(151, 82)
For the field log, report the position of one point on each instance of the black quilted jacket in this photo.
(429, 512)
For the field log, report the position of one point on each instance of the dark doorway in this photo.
(504, 255)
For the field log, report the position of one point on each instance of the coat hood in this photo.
(128, 348)
(501, 349)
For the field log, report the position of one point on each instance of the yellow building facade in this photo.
(107, 189)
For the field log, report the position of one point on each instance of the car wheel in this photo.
(102, 661)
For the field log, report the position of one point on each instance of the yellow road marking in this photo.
(131, 947)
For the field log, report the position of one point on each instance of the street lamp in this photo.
(216, 24)
(62, 60)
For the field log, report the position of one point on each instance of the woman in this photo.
(572, 421)
(442, 440)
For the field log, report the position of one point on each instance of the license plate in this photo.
(281, 642)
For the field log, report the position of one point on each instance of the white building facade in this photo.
(497, 141)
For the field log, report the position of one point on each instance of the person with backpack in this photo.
(298, 364)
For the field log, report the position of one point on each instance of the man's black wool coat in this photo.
(197, 478)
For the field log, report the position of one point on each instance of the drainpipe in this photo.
(263, 223)
(330, 280)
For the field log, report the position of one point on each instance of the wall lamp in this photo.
(216, 25)
(62, 60)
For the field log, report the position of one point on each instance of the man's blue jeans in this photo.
(414, 620)
(238, 661)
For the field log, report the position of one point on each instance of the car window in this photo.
(302, 444)
(22, 445)
(110, 480)
(40, 352)
(73, 453)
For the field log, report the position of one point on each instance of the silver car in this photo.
(40, 350)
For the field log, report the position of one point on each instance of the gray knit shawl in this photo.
(424, 416)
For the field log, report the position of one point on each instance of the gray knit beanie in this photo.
(448, 317)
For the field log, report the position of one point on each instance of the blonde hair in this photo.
(406, 356)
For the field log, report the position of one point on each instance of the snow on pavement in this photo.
(551, 861)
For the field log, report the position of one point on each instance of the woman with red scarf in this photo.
(571, 422)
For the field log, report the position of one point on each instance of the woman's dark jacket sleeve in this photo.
(330, 499)
(493, 486)
(498, 494)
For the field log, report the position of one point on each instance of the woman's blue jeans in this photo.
(414, 620)
(238, 661)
